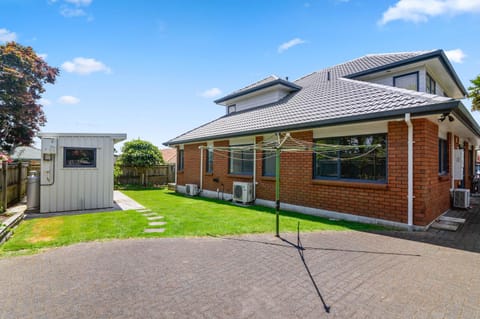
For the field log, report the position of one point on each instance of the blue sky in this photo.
(152, 69)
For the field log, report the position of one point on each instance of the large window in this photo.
(406, 81)
(362, 157)
(209, 162)
(442, 156)
(431, 86)
(180, 163)
(241, 160)
(269, 163)
(79, 157)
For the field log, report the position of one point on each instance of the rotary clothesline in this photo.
(291, 144)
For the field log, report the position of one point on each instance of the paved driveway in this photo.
(358, 275)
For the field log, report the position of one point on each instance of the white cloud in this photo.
(72, 12)
(422, 10)
(45, 102)
(43, 55)
(287, 45)
(7, 36)
(456, 55)
(68, 99)
(80, 2)
(85, 66)
(213, 92)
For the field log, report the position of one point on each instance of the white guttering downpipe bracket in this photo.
(201, 168)
(410, 170)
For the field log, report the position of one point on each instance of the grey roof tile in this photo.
(320, 100)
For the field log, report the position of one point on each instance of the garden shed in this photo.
(77, 171)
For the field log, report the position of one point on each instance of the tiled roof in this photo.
(322, 101)
(258, 83)
(169, 155)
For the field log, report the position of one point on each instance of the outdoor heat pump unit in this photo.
(461, 198)
(242, 192)
(191, 189)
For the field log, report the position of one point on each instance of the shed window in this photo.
(442, 156)
(406, 81)
(361, 160)
(241, 160)
(79, 157)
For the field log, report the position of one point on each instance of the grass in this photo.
(195, 216)
(185, 216)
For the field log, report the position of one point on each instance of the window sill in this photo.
(350, 184)
(268, 178)
(208, 174)
(240, 176)
(180, 172)
(443, 178)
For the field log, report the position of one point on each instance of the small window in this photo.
(232, 108)
(407, 81)
(269, 163)
(241, 160)
(442, 157)
(80, 157)
(209, 162)
(431, 86)
(180, 160)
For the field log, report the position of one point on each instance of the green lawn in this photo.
(196, 216)
(185, 216)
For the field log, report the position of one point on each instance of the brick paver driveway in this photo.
(358, 275)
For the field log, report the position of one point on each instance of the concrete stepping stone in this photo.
(150, 214)
(154, 230)
(143, 210)
(156, 223)
(154, 217)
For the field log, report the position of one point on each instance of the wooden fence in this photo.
(158, 175)
(13, 183)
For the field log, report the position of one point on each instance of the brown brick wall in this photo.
(384, 201)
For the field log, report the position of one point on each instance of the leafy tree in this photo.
(23, 75)
(474, 93)
(141, 155)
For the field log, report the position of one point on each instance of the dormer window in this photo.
(431, 86)
(406, 81)
(232, 108)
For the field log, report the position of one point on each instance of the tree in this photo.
(23, 75)
(141, 155)
(474, 93)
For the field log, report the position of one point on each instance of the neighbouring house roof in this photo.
(26, 153)
(330, 96)
(169, 155)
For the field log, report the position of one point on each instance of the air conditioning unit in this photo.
(191, 189)
(243, 192)
(461, 198)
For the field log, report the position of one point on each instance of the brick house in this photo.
(407, 104)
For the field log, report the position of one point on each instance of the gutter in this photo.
(409, 170)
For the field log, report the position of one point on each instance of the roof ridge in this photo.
(403, 52)
(425, 95)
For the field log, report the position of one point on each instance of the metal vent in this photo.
(238, 191)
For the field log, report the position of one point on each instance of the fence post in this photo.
(4, 185)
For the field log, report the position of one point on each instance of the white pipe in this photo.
(410, 169)
(452, 152)
(201, 167)
(254, 168)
